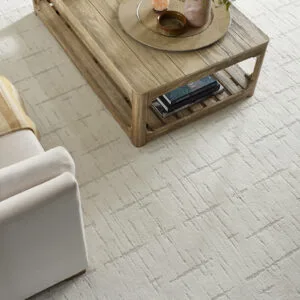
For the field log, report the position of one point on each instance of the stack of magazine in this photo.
(185, 96)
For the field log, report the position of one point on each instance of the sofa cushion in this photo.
(18, 146)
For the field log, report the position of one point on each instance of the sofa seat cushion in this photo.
(18, 146)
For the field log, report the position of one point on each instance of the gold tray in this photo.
(140, 21)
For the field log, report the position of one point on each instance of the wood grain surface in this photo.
(127, 76)
(138, 67)
(139, 20)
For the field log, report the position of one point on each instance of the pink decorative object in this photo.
(197, 12)
(160, 5)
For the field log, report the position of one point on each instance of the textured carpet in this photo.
(211, 211)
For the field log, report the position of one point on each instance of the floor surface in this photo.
(210, 211)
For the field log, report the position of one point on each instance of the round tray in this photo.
(140, 21)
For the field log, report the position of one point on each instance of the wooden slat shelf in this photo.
(232, 89)
(133, 110)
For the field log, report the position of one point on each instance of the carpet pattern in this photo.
(210, 211)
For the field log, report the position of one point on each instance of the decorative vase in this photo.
(197, 12)
(160, 5)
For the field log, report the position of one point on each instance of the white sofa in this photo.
(41, 230)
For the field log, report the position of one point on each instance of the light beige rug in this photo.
(211, 211)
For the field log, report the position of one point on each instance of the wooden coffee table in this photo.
(128, 76)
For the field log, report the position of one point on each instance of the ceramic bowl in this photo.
(171, 23)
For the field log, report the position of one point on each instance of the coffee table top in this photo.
(140, 69)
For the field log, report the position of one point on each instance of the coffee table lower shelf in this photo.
(237, 84)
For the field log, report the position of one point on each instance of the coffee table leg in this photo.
(36, 5)
(139, 120)
(255, 75)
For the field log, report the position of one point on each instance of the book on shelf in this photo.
(164, 109)
(192, 98)
(191, 89)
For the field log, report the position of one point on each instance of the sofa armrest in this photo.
(32, 199)
(42, 238)
(33, 171)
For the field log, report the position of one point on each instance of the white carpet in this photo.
(211, 211)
